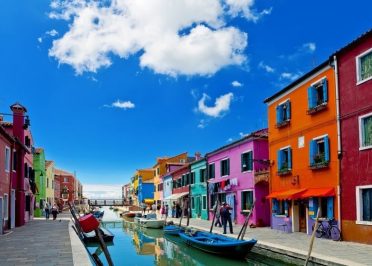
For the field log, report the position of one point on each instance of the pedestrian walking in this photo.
(218, 216)
(54, 211)
(143, 206)
(153, 207)
(226, 217)
(166, 211)
(162, 211)
(174, 210)
(47, 211)
(178, 210)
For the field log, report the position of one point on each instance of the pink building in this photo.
(238, 174)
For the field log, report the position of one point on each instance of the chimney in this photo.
(18, 121)
(197, 156)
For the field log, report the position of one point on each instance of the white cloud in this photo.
(188, 37)
(221, 105)
(40, 40)
(241, 134)
(52, 33)
(266, 67)
(236, 83)
(245, 8)
(100, 191)
(229, 140)
(202, 123)
(309, 47)
(290, 76)
(121, 104)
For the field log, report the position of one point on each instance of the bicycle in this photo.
(328, 230)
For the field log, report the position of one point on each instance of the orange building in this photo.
(160, 169)
(303, 151)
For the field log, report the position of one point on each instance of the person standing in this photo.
(46, 209)
(54, 211)
(226, 217)
(162, 211)
(218, 216)
(166, 211)
(153, 207)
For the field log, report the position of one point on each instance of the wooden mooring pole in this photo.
(312, 237)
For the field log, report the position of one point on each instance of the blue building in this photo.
(145, 191)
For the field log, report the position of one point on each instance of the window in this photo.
(26, 170)
(364, 204)
(7, 159)
(319, 152)
(27, 141)
(284, 160)
(283, 114)
(6, 206)
(52, 184)
(15, 161)
(326, 207)
(211, 171)
(365, 131)
(317, 96)
(204, 202)
(193, 203)
(47, 183)
(247, 161)
(364, 66)
(202, 175)
(65, 179)
(192, 178)
(247, 200)
(280, 207)
(225, 167)
(220, 196)
(158, 170)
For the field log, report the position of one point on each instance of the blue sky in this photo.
(111, 86)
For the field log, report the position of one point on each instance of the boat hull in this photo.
(92, 238)
(219, 245)
(172, 230)
(150, 223)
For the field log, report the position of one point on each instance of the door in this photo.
(12, 208)
(302, 216)
(198, 207)
(1, 215)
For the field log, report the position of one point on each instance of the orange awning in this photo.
(287, 194)
(318, 192)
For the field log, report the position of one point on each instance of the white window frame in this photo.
(7, 159)
(361, 133)
(6, 206)
(244, 152)
(357, 62)
(204, 199)
(358, 196)
(225, 159)
(241, 197)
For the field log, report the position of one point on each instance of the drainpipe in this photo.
(339, 151)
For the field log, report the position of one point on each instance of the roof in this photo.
(19, 106)
(39, 150)
(182, 167)
(6, 124)
(259, 134)
(297, 81)
(366, 34)
(48, 163)
(61, 172)
(166, 158)
(6, 134)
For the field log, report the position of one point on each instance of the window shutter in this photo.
(330, 207)
(312, 151)
(286, 208)
(228, 166)
(288, 110)
(325, 90)
(314, 207)
(213, 171)
(289, 158)
(250, 161)
(278, 114)
(275, 206)
(279, 159)
(310, 97)
(242, 161)
(326, 148)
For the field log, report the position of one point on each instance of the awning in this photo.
(318, 192)
(287, 194)
(176, 196)
(149, 201)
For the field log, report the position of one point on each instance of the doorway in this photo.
(1, 215)
(12, 209)
(302, 216)
(198, 207)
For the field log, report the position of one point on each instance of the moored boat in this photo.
(92, 237)
(172, 230)
(130, 214)
(151, 221)
(217, 244)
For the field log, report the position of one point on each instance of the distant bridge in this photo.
(106, 202)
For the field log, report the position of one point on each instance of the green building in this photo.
(40, 179)
(198, 190)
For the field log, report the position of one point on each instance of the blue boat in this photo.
(217, 244)
(98, 214)
(172, 230)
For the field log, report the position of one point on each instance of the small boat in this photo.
(129, 214)
(172, 230)
(98, 214)
(138, 217)
(92, 238)
(217, 244)
(151, 221)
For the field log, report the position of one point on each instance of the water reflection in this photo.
(134, 245)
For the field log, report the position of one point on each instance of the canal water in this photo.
(137, 246)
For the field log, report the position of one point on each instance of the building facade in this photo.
(354, 64)
(198, 190)
(66, 183)
(231, 178)
(50, 182)
(40, 179)
(303, 147)
(142, 192)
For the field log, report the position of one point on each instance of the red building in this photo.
(66, 180)
(182, 178)
(354, 76)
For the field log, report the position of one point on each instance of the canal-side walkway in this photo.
(43, 242)
(295, 245)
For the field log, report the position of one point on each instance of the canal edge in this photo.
(80, 256)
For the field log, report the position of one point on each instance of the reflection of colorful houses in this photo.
(40, 179)
(144, 245)
(198, 189)
(160, 168)
(231, 172)
(143, 186)
(303, 146)
(354, 63)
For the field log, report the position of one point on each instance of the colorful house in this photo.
(198, 190)
(40, 179)
(143, 186)
(66, 182)
(160, 169)
(49, 192)
(303, 147)
(354, 76)
(231, 178)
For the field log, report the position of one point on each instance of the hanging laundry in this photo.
(223, 184)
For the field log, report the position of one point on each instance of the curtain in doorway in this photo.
(230, 199)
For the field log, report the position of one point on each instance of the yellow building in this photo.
(49, 169)
(160, 169)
